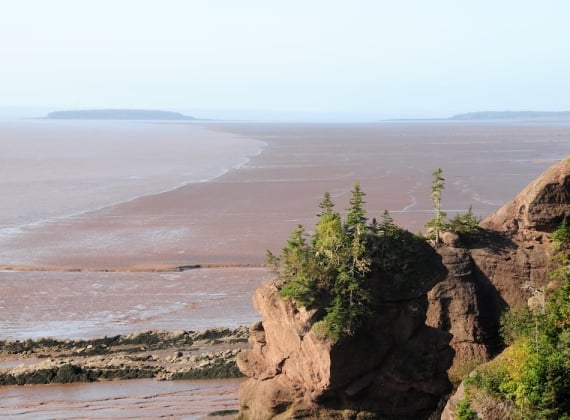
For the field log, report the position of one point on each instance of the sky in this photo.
(361, 59)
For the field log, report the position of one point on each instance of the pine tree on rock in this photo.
(437, 223)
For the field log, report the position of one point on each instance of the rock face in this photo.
(500, 266)
(394, 367)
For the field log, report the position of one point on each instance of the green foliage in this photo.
(558, 315)
(351, 305)
(488, 377)
(331, 266)
(465, 223)
(297, 265)
(383, 232)
(326, 205)
(516, 323)
(561, 236)
(463, 411)
(388, 225)
(321, 329)
(330, 270)
(329, 246)
(438, 185)
(356, 216)
(561, 243)
(534, 371)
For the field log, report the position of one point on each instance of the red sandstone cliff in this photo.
(500, 266)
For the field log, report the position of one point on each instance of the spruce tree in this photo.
(332, 267)
(356, 214)
(326, 205)
(438, 185)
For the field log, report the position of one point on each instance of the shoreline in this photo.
(201, 133)
(135, 268)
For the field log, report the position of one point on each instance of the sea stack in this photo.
(394, 366)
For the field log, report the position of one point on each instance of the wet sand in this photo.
(137, 399)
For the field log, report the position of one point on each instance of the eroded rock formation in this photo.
(395, 366)
(501, 266)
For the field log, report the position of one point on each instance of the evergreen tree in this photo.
(387, 228)
(356, 216)
(438, 185)
(355, 227)
(297, 269)
(326, 205)
(332, 267)
(329, 238)
(464, 223)
(388, 224)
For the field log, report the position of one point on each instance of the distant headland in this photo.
(119, 114)
(511, 115)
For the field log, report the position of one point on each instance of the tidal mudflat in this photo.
(96, 304)
(258, 182)
(235, 217)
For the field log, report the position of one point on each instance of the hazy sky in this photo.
(367, 58)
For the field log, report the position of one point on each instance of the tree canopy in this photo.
(331, 269)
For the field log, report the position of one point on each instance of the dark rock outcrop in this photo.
(165, 355)
(395, 366)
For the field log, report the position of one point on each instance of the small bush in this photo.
(488, 377)
(464, 223)
(517, 322)
(320, 329)
(463, 411)
(461, 369)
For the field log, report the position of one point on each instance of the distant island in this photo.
(511, 115)
(119, 114)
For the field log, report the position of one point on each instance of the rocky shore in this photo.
(163, 355)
